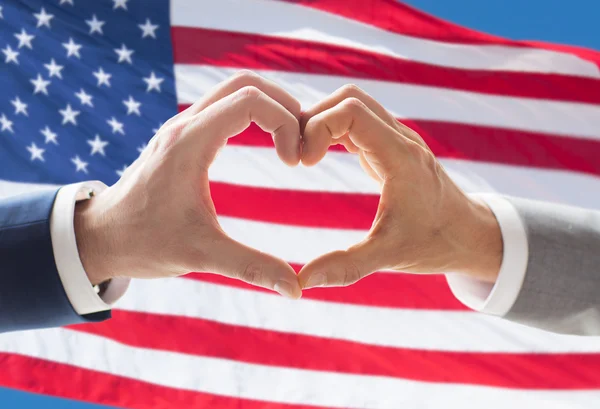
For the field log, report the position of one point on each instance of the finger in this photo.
(343, 93)
(235, 260)
(366, 130)
(353, 91)
(208, 131)
(239, 80)
(340, 268)
(348, 144)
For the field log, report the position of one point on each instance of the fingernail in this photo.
(284, 288)
(315, 280)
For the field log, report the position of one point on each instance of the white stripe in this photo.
(341, 172)
(391, 327)
(283, 19)
(416, 101)
(291, 243)
(270, 383)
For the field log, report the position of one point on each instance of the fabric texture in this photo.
(31, 293)
(561, 290)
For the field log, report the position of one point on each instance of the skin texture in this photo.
(424, 223)
(159, 220)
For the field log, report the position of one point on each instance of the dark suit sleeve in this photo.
(31, 292)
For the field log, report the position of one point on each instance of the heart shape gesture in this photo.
(159, 220)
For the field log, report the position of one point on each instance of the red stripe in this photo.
(300, 208)
(207, 338)
(389, 290)
(396, 17)
(253, 51)
(67, 381)
(484, 144)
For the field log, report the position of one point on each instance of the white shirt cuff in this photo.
(79, 289)
(498, 298)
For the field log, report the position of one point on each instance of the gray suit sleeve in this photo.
(561, 289)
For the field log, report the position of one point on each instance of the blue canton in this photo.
(84, 85)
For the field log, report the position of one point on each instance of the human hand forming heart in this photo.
(156, 221)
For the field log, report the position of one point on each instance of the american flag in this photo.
(85, 84)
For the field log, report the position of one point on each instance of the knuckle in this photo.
(249, 93)
(168, 137)
(245, 77)
(253, 273)
(351, 274)
(354, 105)
(351, 90)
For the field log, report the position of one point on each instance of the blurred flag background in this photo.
(84, 85)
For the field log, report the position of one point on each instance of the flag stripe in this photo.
(268, 383)
(416, 102)
(48, 377)
(213, 339)
(287, 20)
(312, 209)
(341, 173)
(482, 144)
(260, 52)
(390, 327)
(394, 16)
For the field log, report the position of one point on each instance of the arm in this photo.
(158, 220)
(561, 288)
(31, 291)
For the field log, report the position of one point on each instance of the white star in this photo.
(148, 29)
(66, 2)
(102, 77)
(11, 55)
(117, 127)
(50, 136)
(43, 19)
(1, 15)
(79, 164)
(54, 69)
(72, 48)
(5, 124)
(40, 85)
(97, 145)
(69, 115)
(95, 25)
(36, 153)
(24, 39)
(84, 99)
(124, 53)
(141, 148)
(121, 171)
(120, 4)
(153, 82)
(20, 106)
(133, 106)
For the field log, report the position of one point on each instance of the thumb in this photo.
(233, 259)
(340, 268)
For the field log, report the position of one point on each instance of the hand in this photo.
(159, 220)
(424, 223)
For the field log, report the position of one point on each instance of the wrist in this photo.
(92, 245)
(483, 244)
